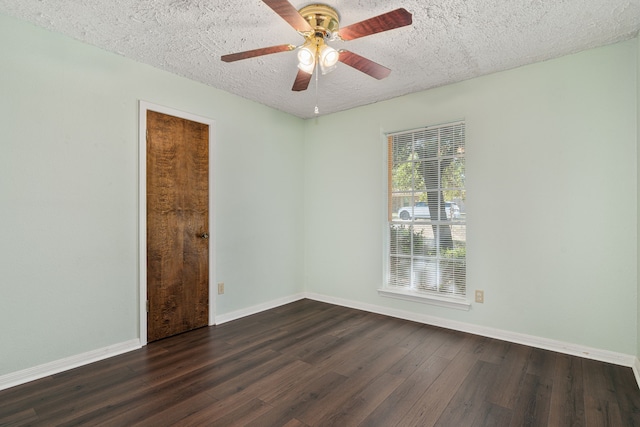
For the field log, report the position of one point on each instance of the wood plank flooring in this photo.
(314, 364)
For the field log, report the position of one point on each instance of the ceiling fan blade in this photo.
(302, 81)
(290, 14)
(387, 21)
(257, 52)
(363, 64)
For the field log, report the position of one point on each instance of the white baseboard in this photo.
(515, 337)
(27, 375)
(234, 315)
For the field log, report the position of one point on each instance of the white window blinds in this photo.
(427, 215)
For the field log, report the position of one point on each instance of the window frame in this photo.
(412, 293)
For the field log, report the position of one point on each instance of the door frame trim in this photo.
(144, 106)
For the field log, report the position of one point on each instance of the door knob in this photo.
(204, 235)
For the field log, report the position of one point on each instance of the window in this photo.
(426, 213)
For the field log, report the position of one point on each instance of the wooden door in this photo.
(177, 225)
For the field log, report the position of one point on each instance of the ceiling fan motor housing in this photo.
(322, 18)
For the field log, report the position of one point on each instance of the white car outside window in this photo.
(421, 210)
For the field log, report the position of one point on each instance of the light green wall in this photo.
(68, 194)
(552, 197)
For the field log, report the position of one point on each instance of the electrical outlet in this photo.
(480, 297)
(220, 288)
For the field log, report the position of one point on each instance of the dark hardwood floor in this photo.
(315, 364)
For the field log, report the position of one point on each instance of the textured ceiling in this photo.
(449, 41)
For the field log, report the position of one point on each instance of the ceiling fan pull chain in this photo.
(316, 111)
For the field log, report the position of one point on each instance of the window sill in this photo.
(448, 302)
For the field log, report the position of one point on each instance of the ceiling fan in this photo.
(319, 24)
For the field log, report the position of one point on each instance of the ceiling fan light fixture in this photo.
(307, 68)
(306, 55)
(328, 59)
